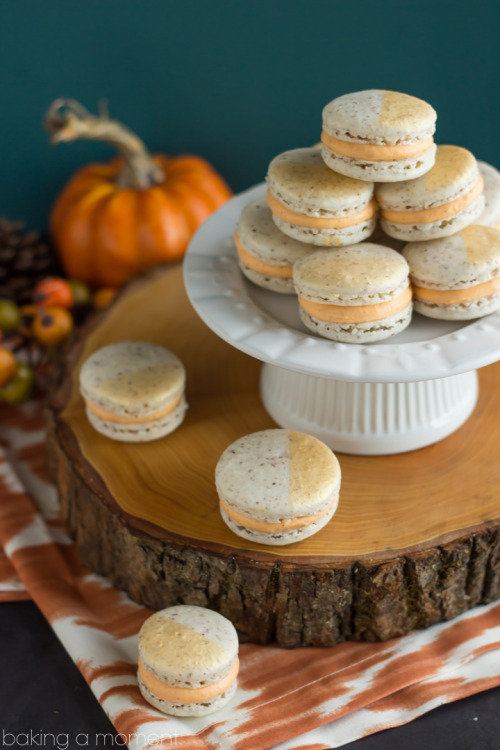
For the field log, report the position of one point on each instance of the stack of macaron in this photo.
(188, 660)
(446, 199)
(336, 218)
(357, 294)
(316, 205)
(382, 136)
(456, 277)
(266, 256)
(133, 391)
(277, 486)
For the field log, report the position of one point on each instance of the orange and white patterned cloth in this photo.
(306, 699)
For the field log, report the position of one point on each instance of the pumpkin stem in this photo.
(68, 120)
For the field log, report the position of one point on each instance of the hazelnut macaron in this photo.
(358, 294)
(277, 486)
(133, 391)
(188, 660)
(446, 199)
(377, 135)
(266, 255)
(313, 204)
(457, 277)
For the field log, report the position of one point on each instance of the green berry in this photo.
(81, 292)
(20, 387)
(10, 316)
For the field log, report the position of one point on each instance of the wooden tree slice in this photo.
(416, 538)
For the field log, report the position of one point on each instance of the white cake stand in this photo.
(389, 397)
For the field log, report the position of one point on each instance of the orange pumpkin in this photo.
(112, 221)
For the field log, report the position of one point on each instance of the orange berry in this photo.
(104, 296)
(53, 292)
(52, 325)
(8, 365)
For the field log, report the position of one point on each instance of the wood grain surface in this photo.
(387, 503)
(416, 538)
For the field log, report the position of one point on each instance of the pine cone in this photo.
(25, 259)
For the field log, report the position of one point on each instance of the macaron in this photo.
(277, 486)
(266, 255)
(313, 204)
(443, 201)
(457, 277)
(133, 391)
(382, 136)
(357, 294)
(490, 216)
(188, 660)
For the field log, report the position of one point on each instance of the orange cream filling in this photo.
(287, 524)
(455, 296)
(175, 694)
(320, 222)
(375, 151)
(108, 417)
(269, 269)
(427, 215)
(357, 313)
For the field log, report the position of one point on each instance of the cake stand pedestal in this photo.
(368, 418)
(393, 396)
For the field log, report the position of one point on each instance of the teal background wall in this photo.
(235, 82)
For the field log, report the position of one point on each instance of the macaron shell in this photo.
(358, 333)
(435, 229)
(328, 237)
(132, 378)
(379, 116)
(278, 538)
(277, 474)
(462, 260)
(490, 215)
(187, 709)
(259, 236)
(463, 311)
(454, 173)
(188, 646)
(274, 284)
(140, 432)
(380, 171)
(302, 182)
(361, 274)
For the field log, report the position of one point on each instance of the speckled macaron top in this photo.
(490, 216)
(132, 378)
(277, 474)
(258, 234)
(379, 117)
(454, 173)
(188, 646)
(301, 181)
(361, 274)
(465, 259)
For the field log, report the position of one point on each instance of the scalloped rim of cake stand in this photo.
(266, 325)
